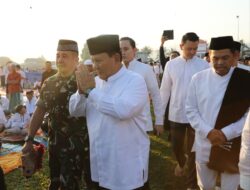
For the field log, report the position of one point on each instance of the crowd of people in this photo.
(99, 114)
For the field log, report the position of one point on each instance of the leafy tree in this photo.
(85, 52)
(147, 50)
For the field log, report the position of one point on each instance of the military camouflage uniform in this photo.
(68, 136)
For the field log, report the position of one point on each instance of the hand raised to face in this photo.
(85, 79)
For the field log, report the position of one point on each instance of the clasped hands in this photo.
(85, 79)
(216, 137)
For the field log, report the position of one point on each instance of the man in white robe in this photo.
(113, 105)
(208, 111)
(176, 78)
(244, 164)
(128, 49)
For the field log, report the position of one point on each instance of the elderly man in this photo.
(176, 78)
(217, 104)
(68, 138)
(113, 105)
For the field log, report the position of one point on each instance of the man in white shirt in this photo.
(237, 48)
(128, 49)
(176, 78)
(113, 104)
(30, 102)
(244, 165)
(4, 102)
(19, 122)
(217, 102)
(89, 65)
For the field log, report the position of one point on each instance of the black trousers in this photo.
(178, 132)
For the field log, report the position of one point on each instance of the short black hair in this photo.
(176, 52)
(190, 36)
(131, 41)
(18, 66)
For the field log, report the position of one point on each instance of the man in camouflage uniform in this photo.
(68, 136)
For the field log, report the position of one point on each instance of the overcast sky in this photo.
(31, 28)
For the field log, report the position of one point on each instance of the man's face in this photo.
(29, 96)
(189, 49)
(47, 66)
(66, 62)
(22, 111)
(90, 68)
(222, 60)
(104, 65)
(128, 52)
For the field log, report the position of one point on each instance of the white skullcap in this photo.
(88, 62)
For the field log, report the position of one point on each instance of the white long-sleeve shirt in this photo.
(3, 119)
(244, 164)
(119, 144)
(176, 78)
(18, 121)
(31, 105)
(147, 73)
(204, 99)
(4, 103)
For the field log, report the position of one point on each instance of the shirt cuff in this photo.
(204, 132)
(227, 132)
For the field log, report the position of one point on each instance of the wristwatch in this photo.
(86, 92)
(29, 138)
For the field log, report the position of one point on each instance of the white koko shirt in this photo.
(31, 105)
(176, 78)
(204, 99)
(148, 74)
(119, 144)
(244, 163)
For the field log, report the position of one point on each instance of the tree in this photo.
(85, 52)
(147, 50)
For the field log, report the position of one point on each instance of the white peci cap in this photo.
(88, 62)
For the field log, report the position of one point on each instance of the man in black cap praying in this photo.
(68, 136)
(217, 104)
(113, 104)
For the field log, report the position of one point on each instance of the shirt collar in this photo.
(228, 75)
(132, 63)
(117, 74)
(189, 60)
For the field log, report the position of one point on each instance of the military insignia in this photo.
(63, 90)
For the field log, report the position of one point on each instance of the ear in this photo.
(117, 57)
(181, 46)
(135, 50)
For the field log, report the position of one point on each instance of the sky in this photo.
(32, 28)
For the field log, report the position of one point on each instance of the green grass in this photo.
(160, 171)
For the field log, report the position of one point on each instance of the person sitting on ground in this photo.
(30, 103)
(4, 102)
(2, 120)
(19, 122)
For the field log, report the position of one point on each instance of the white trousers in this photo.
(207, 178)
(245, 182)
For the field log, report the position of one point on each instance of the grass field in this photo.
(160, 171)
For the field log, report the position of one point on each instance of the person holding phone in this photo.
(167, 35)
